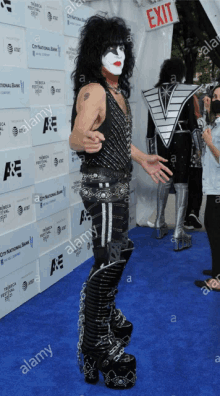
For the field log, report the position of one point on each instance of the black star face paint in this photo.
(113, 59)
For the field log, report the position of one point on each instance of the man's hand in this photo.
(92, 141)
(207, 136)
(154, 168)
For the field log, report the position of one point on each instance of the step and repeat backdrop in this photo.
(45, 231)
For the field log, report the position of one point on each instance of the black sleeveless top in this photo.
(117, 129)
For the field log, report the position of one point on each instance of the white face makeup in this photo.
(113, 59)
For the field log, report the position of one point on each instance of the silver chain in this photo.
(116, 90)
(81, 324)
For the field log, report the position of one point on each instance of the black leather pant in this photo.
(212, 225)
(107, 201)
(195, 191)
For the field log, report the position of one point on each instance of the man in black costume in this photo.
(171, 122)
(104, 64)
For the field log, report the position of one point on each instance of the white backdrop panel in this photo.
(14, 87)
(13, 12)
(53, 230)
(51, 160)
(48, 124)
(16, 209)
(71, 44)
(46, 15)
(45, 50)
(51, 196)
(13, 130)
(54, 265)
(12, 46)
(46, 87)
(75, 184)
(18, 248)
(75, 16)
(81, 247)
(18, 287)
(16, 169)
(74, 161)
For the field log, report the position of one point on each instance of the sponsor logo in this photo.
(13, 85)
(49, 16)
(56, 161)
(56, 264)
(10, 48)
(6, 4)
(12, 169)
(38, 87)
(8, 291)
(35, 8)
(84, 216)
(18, 247)
(20, 210)
(15, 131)
(4, 211)
(52, 90)
(43, 159)
(46, 233)
(25, 284)
(60, 229)
(50, 124)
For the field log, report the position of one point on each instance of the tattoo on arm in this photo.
(86, 96)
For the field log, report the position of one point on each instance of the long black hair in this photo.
(172, 70)
(96, 36)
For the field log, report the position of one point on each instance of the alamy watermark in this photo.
(35, 360)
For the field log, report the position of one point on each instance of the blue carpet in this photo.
(176, 337)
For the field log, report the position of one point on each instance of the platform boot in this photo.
(162, 196)
(120, 326)
(97, 343)
(181, 240)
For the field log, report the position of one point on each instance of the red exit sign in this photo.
(162, 14)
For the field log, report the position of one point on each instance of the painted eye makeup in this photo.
(114, 48)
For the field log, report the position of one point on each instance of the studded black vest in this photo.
(117, 129)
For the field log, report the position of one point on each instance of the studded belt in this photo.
(97, 174)
(105, 191)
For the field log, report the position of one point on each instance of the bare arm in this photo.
(90, 102)
(137, 155)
